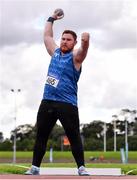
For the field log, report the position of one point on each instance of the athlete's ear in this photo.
(76, 42)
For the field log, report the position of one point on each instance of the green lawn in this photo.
(67, 154)
(108, 156)
(13, 169)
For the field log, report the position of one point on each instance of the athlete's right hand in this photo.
(58, 14)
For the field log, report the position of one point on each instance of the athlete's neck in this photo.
(63, 53)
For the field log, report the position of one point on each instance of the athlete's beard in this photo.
(64, 49)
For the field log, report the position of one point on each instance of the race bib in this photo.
(52, 81)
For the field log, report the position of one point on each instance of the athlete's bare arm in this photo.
(48, 33)
(80, 54)
(48, 38)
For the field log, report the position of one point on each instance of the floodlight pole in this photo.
(115, 133)
(126, 139)
(15, 119)
(126, 113)
(105, 136)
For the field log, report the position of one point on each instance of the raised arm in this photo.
(48, 31)
(80, 54)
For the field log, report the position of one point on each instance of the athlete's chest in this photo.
(61, 61)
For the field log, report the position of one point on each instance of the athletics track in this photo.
(62, 177)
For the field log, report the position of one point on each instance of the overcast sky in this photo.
(108, 80)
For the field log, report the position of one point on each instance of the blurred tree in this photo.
(24, 131)
(6, 145)
(110, 130)
(135, 126)
(1, 137)
(120, 126)
(92, 144)
(25, 135)
(94, 129)
(132, 143)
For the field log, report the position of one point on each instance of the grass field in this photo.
(13, 169)
(112, 157)
(68, 155)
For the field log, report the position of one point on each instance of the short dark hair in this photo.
(70, 32)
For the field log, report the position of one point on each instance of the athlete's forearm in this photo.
(48, 31)
(85, 40)
(82, 51)
(58, 14)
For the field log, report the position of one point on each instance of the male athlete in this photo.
(60, 94)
